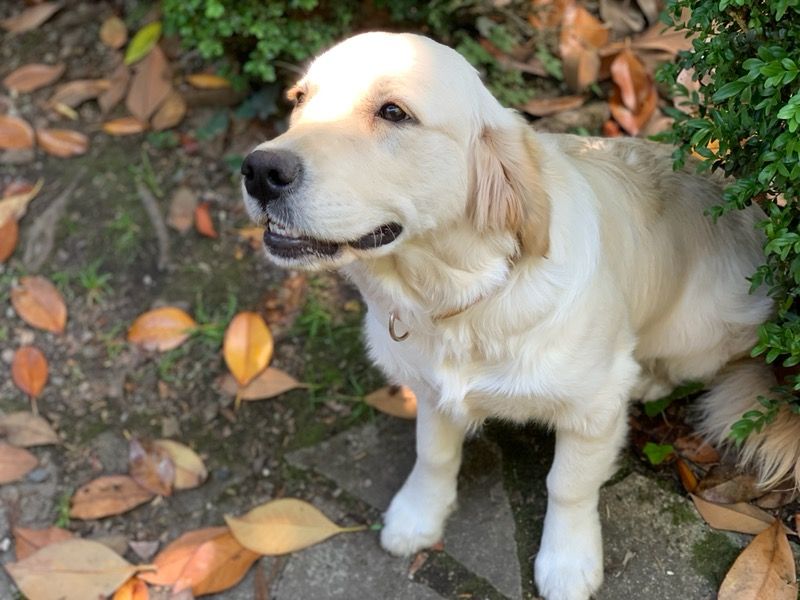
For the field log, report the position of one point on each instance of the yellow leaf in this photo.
(71, 570)
(144, 41)
(190, 471)
(395, 400)
(207, 81)
(269, 383)
(282, 526)
(133, 589)
(161, 329)
(765, 570)
(247, 347)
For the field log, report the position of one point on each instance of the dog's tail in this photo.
(774, 451)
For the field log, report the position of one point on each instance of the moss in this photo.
(681, 512)
(713, 555)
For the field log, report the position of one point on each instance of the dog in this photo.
(515, 275)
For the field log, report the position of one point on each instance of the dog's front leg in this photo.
(569, 565)
(417, 514)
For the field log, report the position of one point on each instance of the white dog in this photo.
(515, 275)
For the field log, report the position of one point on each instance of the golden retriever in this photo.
(515, 275)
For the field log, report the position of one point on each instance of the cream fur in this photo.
(587, 269)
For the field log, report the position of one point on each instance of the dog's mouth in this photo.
(287, 242)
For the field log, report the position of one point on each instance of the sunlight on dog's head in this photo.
(392, 136)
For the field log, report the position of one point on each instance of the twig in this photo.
(41, 235)
(154, 213)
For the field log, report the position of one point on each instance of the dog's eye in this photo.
(392, 112)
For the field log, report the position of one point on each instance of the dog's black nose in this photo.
(270, 173)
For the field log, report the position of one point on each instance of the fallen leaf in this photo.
(30, 18)
(124, 126)
(143, 42)
(151, 467)
(29, 78)
(161, 329)
(547, 13)
(15, 205)
(206, 560)
(282, 526)
(740, 517)
(170, 113)
(25, 429)
(73, 569)
(665, 39)
(181, 209)
(75, 93)
(395, 400)
(65, 111)
(190, 471)
(579, 23)
(581, 66)
(40, 304)
(117, 88)
(107, 495)
(777, 498)
(765, 570)
(269, 383)
(696, 449)
(203, 222)
(15, 462)
(581, 37)
(27, 541)
(253, 236)
(621, 18)
(113, 32)
(133, 589)
(542, 107)
(64, 143)
(283, 304)
(29, 370)
(611, 129)
(207, 81)
(650, 8)
(628, 120)
(247, 347)
(150, 85)
(632, 79)
(9, 236)
(15, 133)
(687, 476)
(726, 485)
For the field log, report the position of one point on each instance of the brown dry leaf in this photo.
(106, 496)
(581, 37)
(73, 569)
(75, 93)
(124, 126)
(15, 133)
(203, 222)
(40, 304)
(170, 113)
(207, 81)
(206, 560)
(580, 24)
(16, 187)
(542, 107)
(9, 236)
(283, 304)
(628, 120)
(15, 462)
(687, 476)
(25, 429)
(395, 400)
(694, 448)
(150, 85)
(740, 517)
(151, 467)
(726, 485)
(632, 79)
(282, 526)
(133, 589)
(113, 33)
(29, 541)
(621, 17)
(190, 471)
(15, 204)
(118, 87)
(63, 143)
(29, 78)
(665, 39)
(30, 18)
(247, 347)
(269, 383)
(765, 570)
(547, 13)
(581, 66)
(161, 329)
(181, 209)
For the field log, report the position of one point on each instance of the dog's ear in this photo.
(506, 190)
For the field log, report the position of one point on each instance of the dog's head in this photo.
(392, 136)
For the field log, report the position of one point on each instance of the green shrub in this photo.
(745, 121)
(255, 36)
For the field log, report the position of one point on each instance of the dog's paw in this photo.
(571, 572)
(410, 526)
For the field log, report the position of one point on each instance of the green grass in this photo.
(94, 283)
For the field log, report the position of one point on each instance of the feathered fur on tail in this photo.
(775, 451)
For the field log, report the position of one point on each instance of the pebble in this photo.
(38, 475)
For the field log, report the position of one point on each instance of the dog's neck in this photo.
(437, 275)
